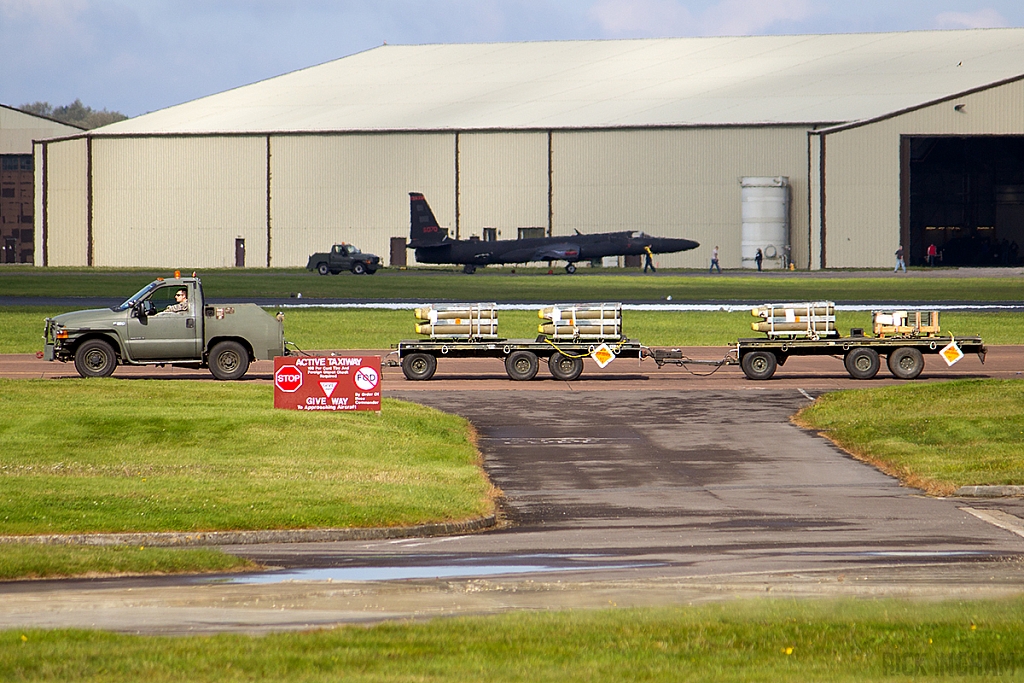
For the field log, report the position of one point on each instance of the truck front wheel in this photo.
(95, 358)
(358, 268)
(229, 360)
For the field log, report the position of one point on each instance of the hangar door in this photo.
(966, 196)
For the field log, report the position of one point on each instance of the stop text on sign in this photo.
(329, 383)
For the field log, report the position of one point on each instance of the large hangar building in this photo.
(18, 130)
(884, 139)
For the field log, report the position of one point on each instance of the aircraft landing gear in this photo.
(469, 269)
(570, 268)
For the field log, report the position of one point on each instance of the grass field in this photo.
(525, 285)
(323, 328)
(117, 456)
(933, 436)
(56, 561)
(771, 640)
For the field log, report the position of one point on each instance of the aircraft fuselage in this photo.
(569, 248)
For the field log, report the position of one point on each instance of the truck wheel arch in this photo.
(110, 338)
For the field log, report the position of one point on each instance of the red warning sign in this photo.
(327, 383)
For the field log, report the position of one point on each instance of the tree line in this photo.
(75, 114)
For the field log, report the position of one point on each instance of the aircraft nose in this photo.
(667, 245)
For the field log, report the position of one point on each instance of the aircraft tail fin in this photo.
(423, 228)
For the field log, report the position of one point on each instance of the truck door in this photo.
(163, 334)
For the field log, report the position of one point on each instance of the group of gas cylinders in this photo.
(812, 319)
(582, 322)
(458, 321)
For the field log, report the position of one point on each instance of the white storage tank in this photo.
(765, 222)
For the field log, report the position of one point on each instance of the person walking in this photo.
(714, 260)
(758, 258)
(900, 262)
(648, 262)
(933, 252)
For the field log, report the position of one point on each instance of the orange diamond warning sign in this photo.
(951, 353)
(603, 355)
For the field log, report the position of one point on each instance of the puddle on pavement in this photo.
(464, 569)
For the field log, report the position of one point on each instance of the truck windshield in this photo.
(136, 297)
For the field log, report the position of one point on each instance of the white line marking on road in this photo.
(1003, 520)
(809, 397)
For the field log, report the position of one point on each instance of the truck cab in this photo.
(167, 322)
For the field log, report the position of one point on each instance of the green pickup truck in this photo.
(167, 322)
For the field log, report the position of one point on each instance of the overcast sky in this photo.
(136, 56)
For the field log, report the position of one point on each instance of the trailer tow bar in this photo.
(675, 357)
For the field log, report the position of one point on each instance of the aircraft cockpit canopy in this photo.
(638, 235)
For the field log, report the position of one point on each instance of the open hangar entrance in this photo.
(965, 194)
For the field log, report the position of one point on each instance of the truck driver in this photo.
(181, 302)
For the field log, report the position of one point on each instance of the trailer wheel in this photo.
(95, 358)
(759, 364)
(323, 269)
(228, 360)
(862, 363)
(419, 366)
(521, 366)
(906, 363)
(564, 367)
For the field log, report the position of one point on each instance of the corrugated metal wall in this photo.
(503, 182)
(179, 202)
(862, 176)
(675, 183)
(67, 200)
(327, 189)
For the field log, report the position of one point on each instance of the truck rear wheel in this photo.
(228, 360)
(862, 363)
(419, 366)
(564, 367)
(906, 363)
(323, 269)
(522, 366)
(759, 364)
(95, 358)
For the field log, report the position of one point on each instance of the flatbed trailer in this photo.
(759, 358)
(418, 358)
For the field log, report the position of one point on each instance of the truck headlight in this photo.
(60, 333)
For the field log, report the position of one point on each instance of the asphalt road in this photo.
(631, 487)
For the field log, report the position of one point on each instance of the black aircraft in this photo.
(433, 245)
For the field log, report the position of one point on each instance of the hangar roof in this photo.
(19, 128)
(609, 83)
